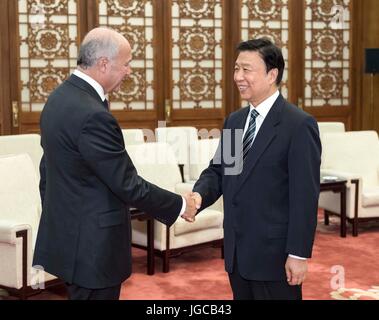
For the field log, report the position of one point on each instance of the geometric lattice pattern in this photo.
(327, 58)
(48, 48)
(267, 18)
(197, 58)
(133, 19)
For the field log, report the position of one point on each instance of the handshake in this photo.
(193, 203)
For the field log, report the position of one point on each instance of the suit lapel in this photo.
(265, 136)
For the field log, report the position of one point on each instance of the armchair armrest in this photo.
(182, 188)
(8, 230)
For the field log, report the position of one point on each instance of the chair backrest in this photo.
(179, 138)
(356, 152)
(133, 136)
(19, 193)
(331, 127)
(156, 163)
(23, 143)
(201, 152)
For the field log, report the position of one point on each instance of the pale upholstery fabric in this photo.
(157, 163)
(329, 127)
(23, 143)
(133, 136)
(352, 155)
(179, 138)
(210, 219)
(201, 152)
(20, 210)
(370, 197)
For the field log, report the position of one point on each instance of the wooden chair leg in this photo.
(355, 227)
(222, 252)
(166, 261)
(326, 217)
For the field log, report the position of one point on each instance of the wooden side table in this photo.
(142, 216)
(337, 186)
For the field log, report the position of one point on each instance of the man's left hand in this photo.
(296, 270)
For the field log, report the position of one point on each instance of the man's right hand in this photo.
(198, 199)
(190, 211)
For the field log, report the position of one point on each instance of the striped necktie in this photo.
(250, 133)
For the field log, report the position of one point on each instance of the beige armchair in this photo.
(133, 136)
(201, 152)
(19, 218)
(353, 156)
(330, 127)
(180, 139)
(157, 163)
(23, 143)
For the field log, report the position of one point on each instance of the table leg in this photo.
(343, 211)
(150, 247)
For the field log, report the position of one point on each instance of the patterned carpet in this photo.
(341, 269)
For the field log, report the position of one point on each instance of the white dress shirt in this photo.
(99, 89)
(93, 83)
(263, 109)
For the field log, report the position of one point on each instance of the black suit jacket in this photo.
(270, 208)
(87, 184)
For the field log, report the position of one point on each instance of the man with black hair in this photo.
(270, 204)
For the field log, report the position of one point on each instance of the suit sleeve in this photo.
(102, 148)
(304, 188)
(209, 184)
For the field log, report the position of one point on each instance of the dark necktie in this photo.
(105, 103)
(250, 133)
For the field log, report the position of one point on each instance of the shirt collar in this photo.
(265, 106)
(93, 83)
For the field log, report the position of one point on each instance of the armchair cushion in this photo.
(23, 143)
(370, 197)
(205, 220)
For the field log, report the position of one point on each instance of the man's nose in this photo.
(238, 75)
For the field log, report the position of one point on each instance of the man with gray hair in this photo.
(88, 181)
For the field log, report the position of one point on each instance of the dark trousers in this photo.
(244, 289)
(79, 293)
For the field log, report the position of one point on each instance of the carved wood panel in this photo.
(267, 18)
(327, 53)
(48, 38)
(135, 20)
(197, 54)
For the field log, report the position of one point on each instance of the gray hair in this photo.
(93, 49)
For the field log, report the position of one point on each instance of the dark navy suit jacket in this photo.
(270, 208)
(87, 184)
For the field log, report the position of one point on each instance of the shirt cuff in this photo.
(183, 207)
(297, 257)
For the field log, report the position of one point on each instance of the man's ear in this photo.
(102, 64)
(273, 75)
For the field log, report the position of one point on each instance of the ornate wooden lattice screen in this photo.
(266, 18)
(327, 57)
(197, 54)
(48, 48)
(134, 19)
